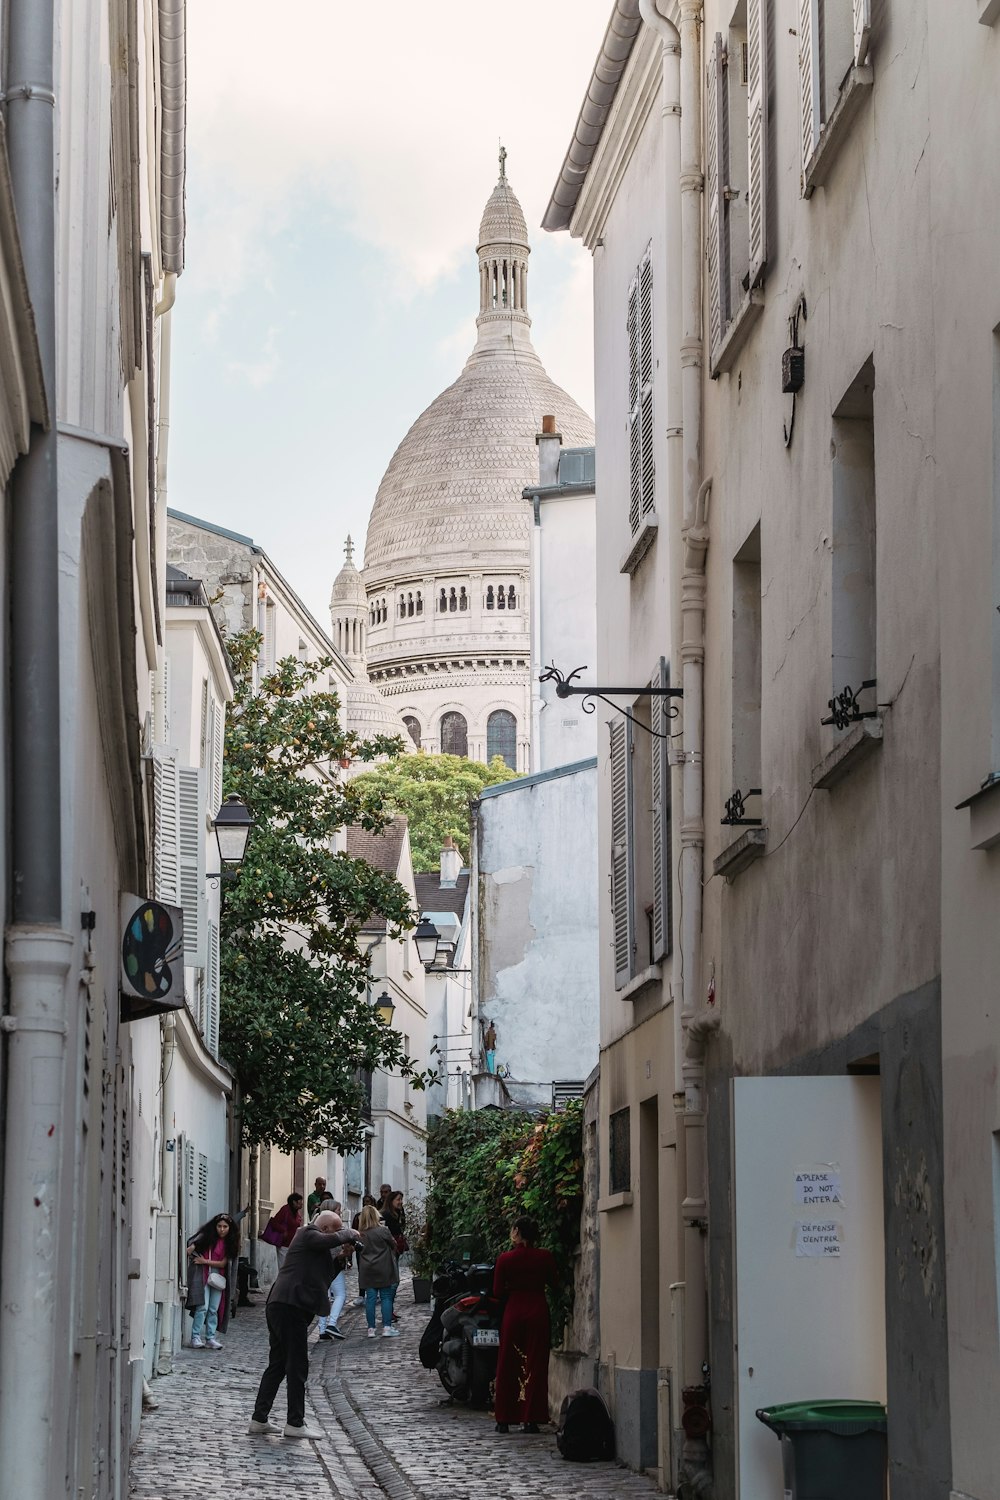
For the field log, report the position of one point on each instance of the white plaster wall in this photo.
(536, 920)
(567, 629)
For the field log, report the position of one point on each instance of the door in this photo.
(809, 1254)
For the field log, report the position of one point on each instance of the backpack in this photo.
(586, 1432)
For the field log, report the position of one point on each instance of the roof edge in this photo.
(537, 778)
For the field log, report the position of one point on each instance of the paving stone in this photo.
(389, 1431)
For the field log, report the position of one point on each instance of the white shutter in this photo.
(192, 863)
(634, 423)
(165, 672)
(757, 134)
(621, 850)
(205, 741)
(218, 751)
(862, 29)
(212, 981)
(166, 806)
(715, 140)
(662, 861)
(809, 78)
(648, 463)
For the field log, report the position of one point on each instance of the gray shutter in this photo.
(757, 135)
(648, 479)
(212, 988)
(634, 420)
(204, 735)
(715, 190)
(192, 862)
(809, 78)
(218, 751)
(621, 850)
(166, 805)
(662, 842)
(862, 29)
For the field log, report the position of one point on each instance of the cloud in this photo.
(261, 371)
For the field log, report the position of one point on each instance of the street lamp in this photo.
(384, 1008)
(232, 824)
(426, 937)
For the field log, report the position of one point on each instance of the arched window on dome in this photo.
(489, 597)
(402, 606)
(409, 606)
(454, 734)
(412, 728)
(501, 598)
(385, 610)
(420, 603)
(452, 602)
(371, 614)
(511, 598)
(501, 737)
(443, 601)
(463, 599)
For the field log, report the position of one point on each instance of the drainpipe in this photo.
(169, 1171)
(38, 952)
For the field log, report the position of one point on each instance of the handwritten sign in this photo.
(819, 1240)
(816, 1186)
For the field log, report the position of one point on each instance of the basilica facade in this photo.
(446, 635)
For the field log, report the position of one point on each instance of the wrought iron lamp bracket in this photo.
(566, 687)
(845, 709)
(736, 807)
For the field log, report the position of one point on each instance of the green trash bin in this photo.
(831, 1450)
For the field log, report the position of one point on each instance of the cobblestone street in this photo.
(387, 1432)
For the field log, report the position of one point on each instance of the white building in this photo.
(448, 550)
(443, 897)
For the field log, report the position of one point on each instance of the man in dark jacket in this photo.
(300, 1293)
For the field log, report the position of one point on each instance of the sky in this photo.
(338, 165)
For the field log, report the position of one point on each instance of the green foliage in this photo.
(487, 1166)
(434, 792)
(296, 1024)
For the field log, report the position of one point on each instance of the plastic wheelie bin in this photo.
(831, 1450)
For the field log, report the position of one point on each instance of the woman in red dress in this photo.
(522, 1384)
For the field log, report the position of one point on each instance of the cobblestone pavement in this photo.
(389, 1433)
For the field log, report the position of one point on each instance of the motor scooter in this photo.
(462, 1339)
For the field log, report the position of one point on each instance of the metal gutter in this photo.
(536, 778)
(173, 132)
(612, 60)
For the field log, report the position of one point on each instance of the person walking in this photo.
(315, 1200)
(329, 1326)
(287, 1221)
(521, 1276)
(394, 1218)
(359, 1300)
(378, 1270)
(213, 1251)
(299, 1293)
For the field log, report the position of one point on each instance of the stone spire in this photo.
(349, 610)
(503, 249)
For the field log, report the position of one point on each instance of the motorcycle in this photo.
(462, 1339)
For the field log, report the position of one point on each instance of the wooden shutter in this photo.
(662, 858)
(166, 805)
(809, 79)
(648, 463)
(634, 422)
(205, 739)
(217, 752)
(192, 862)
(715, 140)
(862, 29)
(621, 850)
(213, 980)
(757, 134)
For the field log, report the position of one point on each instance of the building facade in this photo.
(448, 551)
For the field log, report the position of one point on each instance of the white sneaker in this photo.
(213, 1344)
(390, 1333)
(197, 1343)
(357, 1301)
(371, 1333)
(304, 1432)
(257, 1429)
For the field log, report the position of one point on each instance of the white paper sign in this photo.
(819, 1239)
(818, 1185)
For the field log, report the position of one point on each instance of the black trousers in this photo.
(289, 1361)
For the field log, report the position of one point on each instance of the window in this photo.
(736, 186)
(490, 601)
(746, 678)
(463, 599)
(501, 737)
(420, 603)
(452, 601)
(639, 328)
(402, 606)
(620, 1151)
(854, 537)
(501, 598)
(511, 598)
(834, 39)
(443, 601)
(454, 734)
(412, 728)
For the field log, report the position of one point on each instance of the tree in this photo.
(296, 1023)
(434, 792)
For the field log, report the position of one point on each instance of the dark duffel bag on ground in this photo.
(586, 1433)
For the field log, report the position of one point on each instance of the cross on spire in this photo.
(349, 548)
(503, 163)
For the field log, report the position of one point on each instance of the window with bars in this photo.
(639, 329)
(834, 39)
(501, 737)
(620, 1151)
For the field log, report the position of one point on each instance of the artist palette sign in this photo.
(151, 979)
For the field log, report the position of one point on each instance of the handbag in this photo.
(401, 1244)
(270, 1235)
(216, 1280)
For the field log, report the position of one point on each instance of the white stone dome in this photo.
(503, 218)
(348, 587)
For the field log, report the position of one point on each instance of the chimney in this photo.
(451, 864)
(549, 442)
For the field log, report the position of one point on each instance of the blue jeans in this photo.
(207, 1316)
(338, 1296)
(385, 1295)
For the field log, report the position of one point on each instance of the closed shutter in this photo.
(218, 752)
(192, 862)
(648, 465)
(205, 741)
(715, 207)
(662, 861)
(166, 807)
(621, 850)
(757, 134)
(809, 79)
(211, 1023)
(862, 29)
(634, 422)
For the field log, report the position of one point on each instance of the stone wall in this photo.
(574, 1363)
